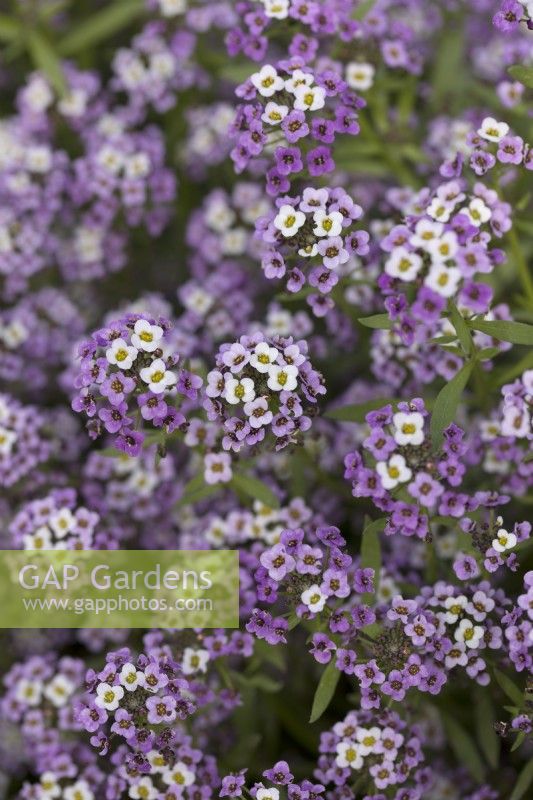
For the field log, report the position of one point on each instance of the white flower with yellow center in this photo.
(276, 9)
(314, 598)
(28, 692)
(327, 224)
(59, 690)
(146, 337)
(309, 98)
(426, 232)
(443, 248)
(263, 357)
(144, 789)
(267, 81)
(41, 539)
(38, 158)
(49, 786)
(360, 75)
(74, 104)
(348, 755)
(137, 166)
(157, 376)
(162, 65)
(108, 696)
(393, 472)
(469, 633)
(282, 378)
(477, 212)
(267, 794)
(409, 428)
(455, 607)
(443, 280)
(288, 220)
(403, 264)
(239, 391)
(62, 522)
(7, 440)
(110, 159)
(503, 541)
(121, 354)
(367, 739)
(157, 761)
(194, 660)
(274, 113)
(130, 677)
(298, 78)
(78, 791)
(492, 130)
(439, 210)
(180, 774)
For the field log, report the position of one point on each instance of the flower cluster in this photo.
(23, 445)
(125, 369)
(268, 385)
(55, 522)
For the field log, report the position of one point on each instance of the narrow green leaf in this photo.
(371, 553)
(447, 401)
(10, 29)
(101, 26)
(461, 328)
(46, 60)
(515, 332)
(510, 688)
(449, 61)
(520, 739)
(487, 737)
(255, 489)
(524, 781)
(463, 746)
(195, 490)
(325, 690)
(381, 321)
(522, 74)
(358, 412)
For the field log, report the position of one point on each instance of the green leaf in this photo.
(371, 553)
(461, 328)
(522, 74)
(325, 690)
(255, 489)
(195, 490)
(364, 8)
(358, 412)
(486, 735)
(463, 746)
(510, 688)
(259, 681)
(10, 29)
(381, 321)
(101, 26)
(520, 739)
(449, 61)
(447, 401)
(525, 779)
(515, 332)
(46, 60)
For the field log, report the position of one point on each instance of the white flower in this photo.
(516, 422)
(440, 210)
(282, 378)
(38, 158)
(276, 9)
(7, 440)
(258, 412)
(409, 428)
(73, 104)
(443, 280)
(267, 794)
(454, 608)
(457, 655)
(492, 130)
(219, 216)
(28, 692)
(503, 541)
(162, 65)
(393, 471)
(130, 677)
(309, 98)
(360, 75)
(157, 761)
(403, 264)
(194, 660)
(425, 233)
(267, 81)
(137, 166)
(297, 79)
(308, 251)
(477, 212)
(274, 113)
(314, 598)
(180, 774)
(367, 739)
(121, 354)
(38, 94)
(108, 696)
(59, 690)
(289, 220)
(41, 539)
(78, 791)
(234, 241)
(327, 224)
(263, 356)
(480, 605)
(171, 8)
(144, 789)
(157, 376)
(110, 159)
(348, 755)
(62, 522)
(239, 391)
(468, 633)
(48, 786)
(443, 248)
(145, 336)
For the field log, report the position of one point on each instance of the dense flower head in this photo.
(56, 522)
(23, 444)
(126, 370)
(263, 385)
